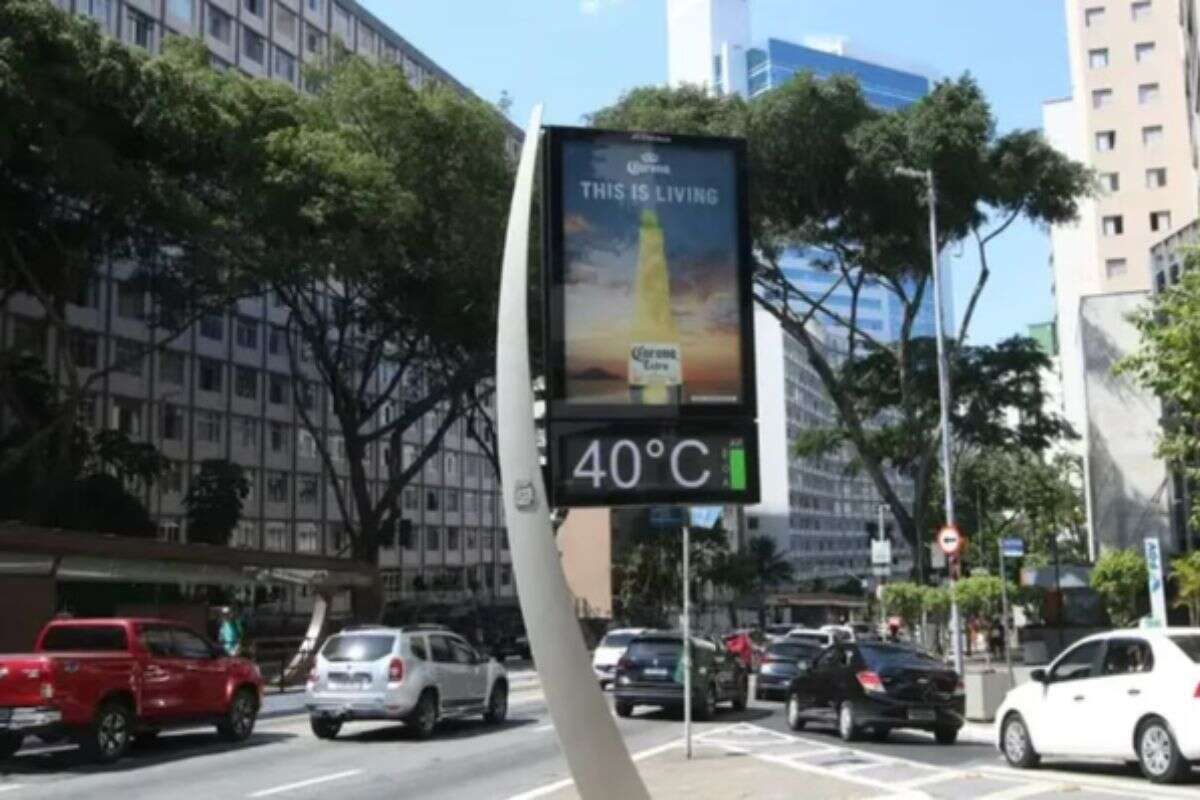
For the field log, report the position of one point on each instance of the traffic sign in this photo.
(1012, 548)
(881, 553)
(667, 517)
(950, 540)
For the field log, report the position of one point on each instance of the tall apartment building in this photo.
(224, 389)
(1130, 119)
(816, 513)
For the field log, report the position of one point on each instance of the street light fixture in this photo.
(926, 176)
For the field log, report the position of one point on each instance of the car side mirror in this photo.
(1039, 676)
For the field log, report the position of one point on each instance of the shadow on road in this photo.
(1092, 768)
(162, 750)
(723, 715)
(449, 729)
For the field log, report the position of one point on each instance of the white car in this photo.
(609, 652)
(822, 637)
(416, 674)
(1126, 695)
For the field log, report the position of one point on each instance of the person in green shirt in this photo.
(230, 632)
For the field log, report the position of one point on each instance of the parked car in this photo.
(821, 638)
(1124, 695)
(651, 674)
(417, 675)
(106, 682)
(840, 633)
(781, 664)
(864, 632)
(609, 652)
(778, 631)
(877, 687)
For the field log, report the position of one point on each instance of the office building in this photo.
(224, 389)
(1129, 118)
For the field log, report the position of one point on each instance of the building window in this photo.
(208, 426)
(1156, 177)
(452, 500)
(451, 465)
(255, 7)
(315, 5)
(85, 349)
(276, 340)
(171, 367)
(140, 29)
(470, 502)
(247, 333)
(279, 437)
(1141, 9)
(1093, 16)
(180, 9)
(432, 500)
(367, 40)
(277, 486)
(1098, 59)
(126, 417)
(89, 293)
(212, 326)
(1152, 135)
(407, 539)
(306, 490)
(314, 40)
(308, 394)
(247, 432)
(306, 445)
(254, 47)
(220, 25)
(1114, 225)
(410, 499)
(1143, 51)
(245, 536)
(1148, 93)
(277, 391)
(173, 423)
(245, 382)
(209, 373)
(1160, 221)
(285, 22)
(337, 448)
(276, 536)
(1106, 140)
(173, 480)
(341, 25)
(306, 538)
(1110, 181)
(285, 65)
(99, 10)
(433, 538)
(129, 357)
(131, 300)
(452, 539)
(1114, 267)
(1102, 98)
(169, 530)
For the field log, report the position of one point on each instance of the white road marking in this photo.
(543, 728)
(551, 788)
(337, 776)
(1021, 791)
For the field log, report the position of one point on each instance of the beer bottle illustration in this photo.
(655, 360)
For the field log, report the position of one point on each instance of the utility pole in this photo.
(687, 639)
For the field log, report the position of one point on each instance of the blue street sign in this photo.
(706, 516)
(668, 517)
(1012, 548)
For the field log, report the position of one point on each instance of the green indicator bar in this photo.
(737, 468)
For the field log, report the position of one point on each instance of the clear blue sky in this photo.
(579, 55)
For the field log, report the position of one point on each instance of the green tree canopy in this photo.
(1121, 579)
(214, 501)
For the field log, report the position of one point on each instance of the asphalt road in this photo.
(469, 759)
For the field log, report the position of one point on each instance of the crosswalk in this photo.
(885, 776)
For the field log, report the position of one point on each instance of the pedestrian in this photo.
(229, 634)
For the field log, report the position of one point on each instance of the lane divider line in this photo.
(337, 776)
(551, 788)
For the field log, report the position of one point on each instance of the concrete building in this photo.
(224, 389)
(1130, 118)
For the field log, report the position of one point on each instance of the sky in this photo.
(579, 55)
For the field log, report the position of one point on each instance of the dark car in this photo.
(651, 674)
(780, 665)
(875, 687)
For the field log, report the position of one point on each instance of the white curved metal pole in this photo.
(596, 754)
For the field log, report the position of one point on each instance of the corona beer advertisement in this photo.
(651, 254)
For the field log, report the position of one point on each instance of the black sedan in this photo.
(862, 687)
(780, 666)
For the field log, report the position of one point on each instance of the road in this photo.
(521, 759)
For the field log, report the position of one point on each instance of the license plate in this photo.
(655, 672)
(922, 715)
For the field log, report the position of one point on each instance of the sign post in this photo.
(1158, 596)
(1009, 548)
(687, 639)
(950, 542)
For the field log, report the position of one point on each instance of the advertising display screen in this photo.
(648, 316)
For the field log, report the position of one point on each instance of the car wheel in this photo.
(946, 735)
(743, 695)
(325, 727)
(1158, 753)
(708, 705)
(424, 717)
(1016, 744)
(795, 720)
(111, 733)
(239, 720)
(497, 706)
(880, 733)
(10, 743)
(624, 709)
(847, 726)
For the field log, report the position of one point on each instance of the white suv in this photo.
(416, 674)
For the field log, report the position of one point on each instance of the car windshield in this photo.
(881, 657)
(1189, 644)
(617, 640)
(654, 648)
(358, 648)
(791, 651)
(63, 638)
(818, 638)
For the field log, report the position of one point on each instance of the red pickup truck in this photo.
(106, 682)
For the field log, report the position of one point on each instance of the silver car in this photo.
(416, 674)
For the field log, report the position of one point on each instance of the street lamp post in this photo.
(943, 399)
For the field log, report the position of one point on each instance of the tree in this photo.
(1168, 363)
(905, 600)
(214, 501)
(768, 568)
(1120, 577)
(823, 170)
(1186, 572)
(381, 222)
(980, 595)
